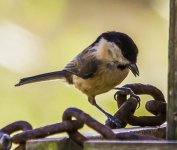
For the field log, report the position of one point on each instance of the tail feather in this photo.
(43, 77)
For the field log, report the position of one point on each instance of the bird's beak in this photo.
(134, 69)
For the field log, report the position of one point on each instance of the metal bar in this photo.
(129, 145)
(172, 74)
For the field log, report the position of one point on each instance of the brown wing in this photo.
(84, 64)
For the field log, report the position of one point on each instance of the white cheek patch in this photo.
(117, 53)
(102, 45)
(102, 49)
(109, 51)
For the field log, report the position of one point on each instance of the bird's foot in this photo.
(114, 120)
(127, 91)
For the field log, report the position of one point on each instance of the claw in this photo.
(127, 91)
(116, 95)
(119, 92)
(138, 100)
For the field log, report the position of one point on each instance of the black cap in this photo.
(124, 42)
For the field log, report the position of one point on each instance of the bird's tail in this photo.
(43, 77)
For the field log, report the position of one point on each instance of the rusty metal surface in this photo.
(65, 143)
(125, 113)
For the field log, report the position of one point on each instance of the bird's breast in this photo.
(105, 79)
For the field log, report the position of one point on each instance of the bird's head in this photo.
(117, 47)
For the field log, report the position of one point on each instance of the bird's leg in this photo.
(113, 119)
(127, 91)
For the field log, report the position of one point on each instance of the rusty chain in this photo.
(125, 113)
(29, 133)
(14, 127)
(126, 108)
(105, 131)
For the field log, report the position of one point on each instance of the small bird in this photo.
(98, 68)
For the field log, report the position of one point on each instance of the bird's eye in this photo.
(121, 67)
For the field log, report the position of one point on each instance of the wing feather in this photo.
(84, 64)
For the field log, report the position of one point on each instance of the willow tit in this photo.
(99, 68)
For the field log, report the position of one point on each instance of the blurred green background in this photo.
(41, 36)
